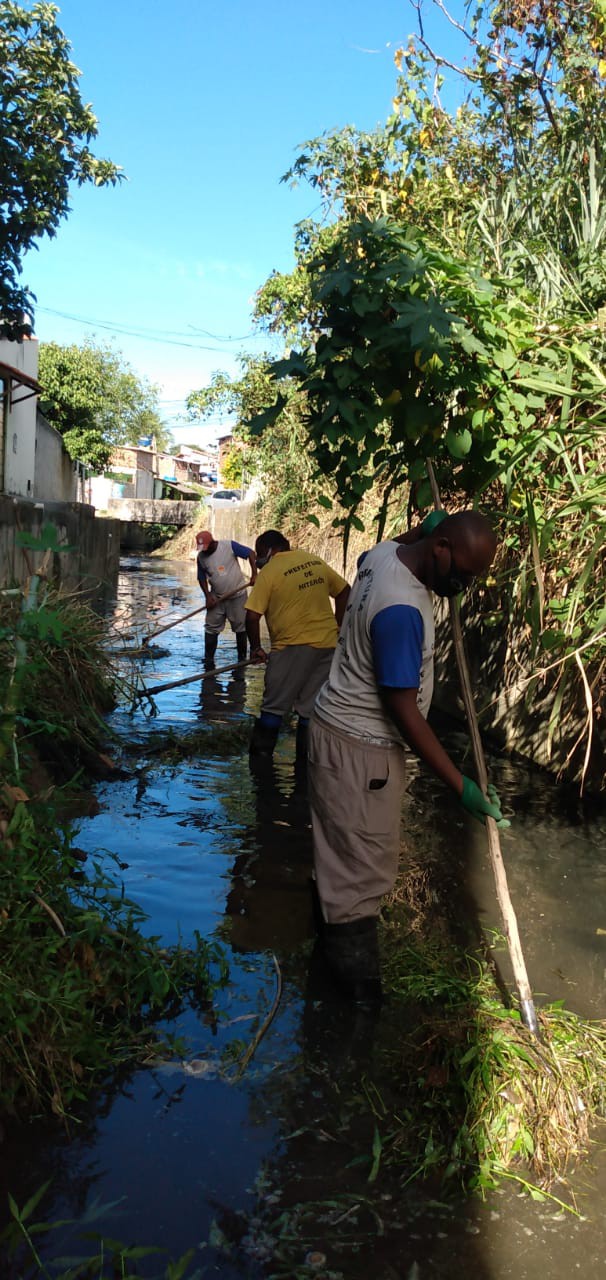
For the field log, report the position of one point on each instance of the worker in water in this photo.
(224, 587)
(375, 700)
(293, 591)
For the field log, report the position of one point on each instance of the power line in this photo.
(147, 335)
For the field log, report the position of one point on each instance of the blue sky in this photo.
(203, 105)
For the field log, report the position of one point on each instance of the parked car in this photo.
(224, 498)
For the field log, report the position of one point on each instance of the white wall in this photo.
(20, 438)
(55, 475)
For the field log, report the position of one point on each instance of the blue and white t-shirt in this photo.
(386, 642)
(220, 567)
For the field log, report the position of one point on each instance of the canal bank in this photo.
(258, 1170)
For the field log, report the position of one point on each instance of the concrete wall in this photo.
(20, 420)
(56, 475)
(90, 567)
(156, 511)
(238, 522)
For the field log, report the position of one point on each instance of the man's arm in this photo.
(246, 553)
(401, 706)
(210, 599)
(341, 604)
(253, 631)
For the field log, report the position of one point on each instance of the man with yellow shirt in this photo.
(293, 592)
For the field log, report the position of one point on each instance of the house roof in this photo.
(181, 485)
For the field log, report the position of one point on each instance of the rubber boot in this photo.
(301, 741)
(210, 648)
(241, 645)
(301, 759)
(352, 953)
(263, 741)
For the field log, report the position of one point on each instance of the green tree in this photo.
(93, 397)
(280, 457)
(451, 303)
(231, 467)
(46, 130)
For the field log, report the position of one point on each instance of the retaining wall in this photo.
(90, 567)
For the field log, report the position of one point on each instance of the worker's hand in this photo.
(253, 579)
(258, 656)
(476, 803)
(211, 601)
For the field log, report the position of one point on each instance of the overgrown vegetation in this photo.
(450, 303)
(81, 988)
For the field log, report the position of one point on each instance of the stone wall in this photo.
(89, 568)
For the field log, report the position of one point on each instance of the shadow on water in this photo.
(257, 1169)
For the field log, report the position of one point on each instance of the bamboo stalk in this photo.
(229, 595)
(508, 915)
(199, 675)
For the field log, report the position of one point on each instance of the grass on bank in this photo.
(81, 987)
(484, 1100)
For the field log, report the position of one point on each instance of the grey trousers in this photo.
(294, 677)
(233, 611)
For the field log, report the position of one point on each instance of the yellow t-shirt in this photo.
(293, 590)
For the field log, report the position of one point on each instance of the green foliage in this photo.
(499, 1105)
(280, 457)
(450, 305)
(97, 1256)
(51, 641)
(231, 467)
(80, 986)
(93, 397)
(47, 130)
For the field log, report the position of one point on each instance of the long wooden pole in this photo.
(228, 596)
(508, 915)
(199, 675)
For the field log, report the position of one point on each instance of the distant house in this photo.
(144, 473)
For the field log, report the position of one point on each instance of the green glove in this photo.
(432, 521)
(474, 800)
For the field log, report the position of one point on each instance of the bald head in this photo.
(447, 561)
(472, 539)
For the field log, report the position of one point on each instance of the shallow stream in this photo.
(259, 1171)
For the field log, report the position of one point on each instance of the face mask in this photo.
(452, 583)
(262, 560)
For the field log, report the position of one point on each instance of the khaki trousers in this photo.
(232, 611)
(355, 796)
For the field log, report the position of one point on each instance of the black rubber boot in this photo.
(352, 953)
(241, 645)
(263, 741)
(210, 648)
(301, 741)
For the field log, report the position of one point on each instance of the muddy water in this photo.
(233, 1166)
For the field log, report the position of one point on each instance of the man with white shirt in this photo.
(219, 576)
(375, 700)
